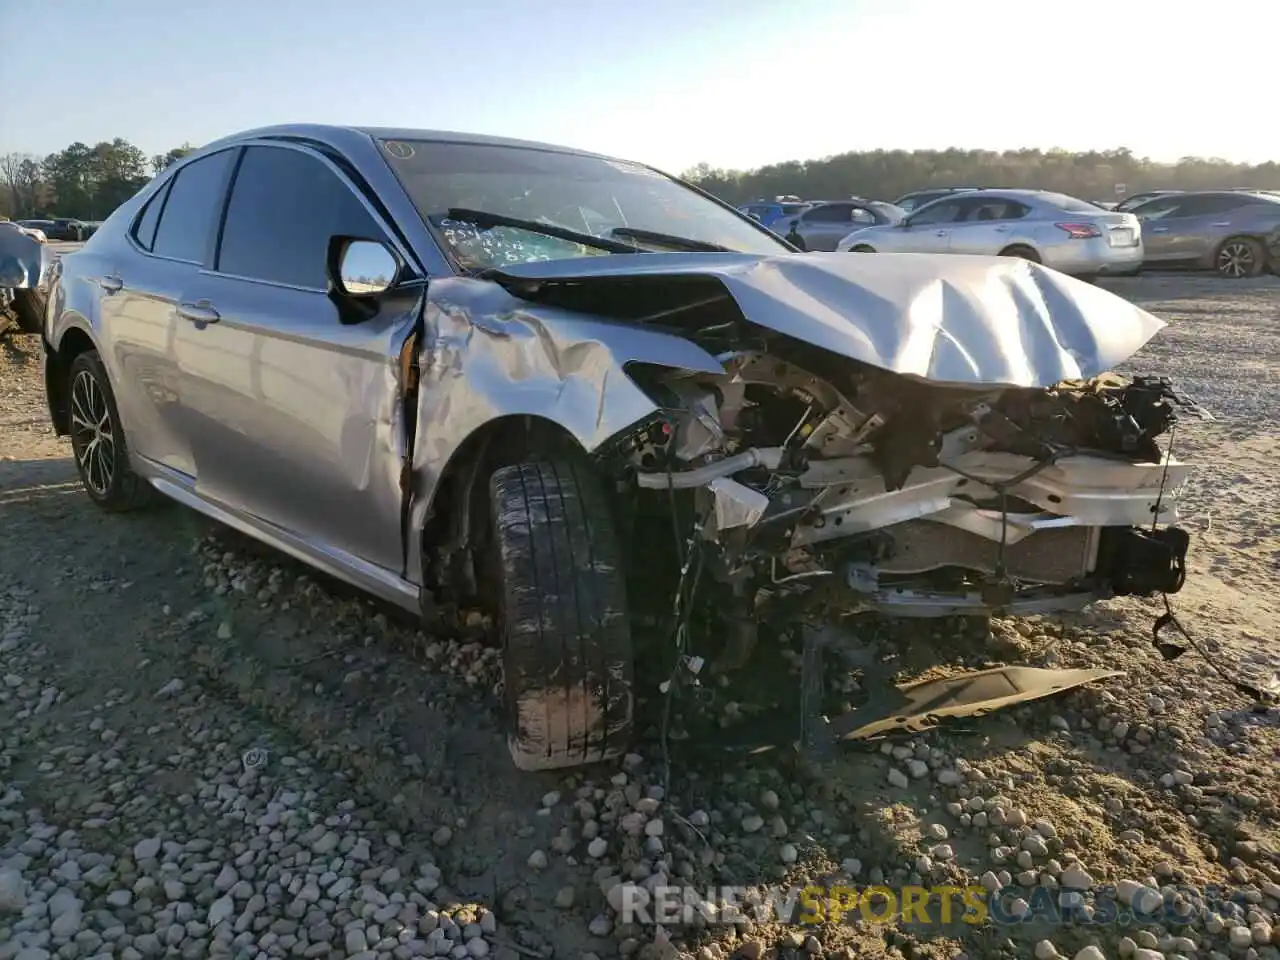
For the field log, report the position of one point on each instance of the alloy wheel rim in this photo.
(92, 437)
(1236, 260)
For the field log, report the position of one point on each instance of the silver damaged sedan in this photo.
(624, 417)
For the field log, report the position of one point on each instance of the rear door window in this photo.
(191, 209)
(144, 231)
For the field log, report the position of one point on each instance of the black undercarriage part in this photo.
(1140, 563)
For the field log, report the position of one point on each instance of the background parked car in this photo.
(1071, 235)
(822, 226)
(914, 201)
(770, 212)
(44, 226)
(1235, 233)
(1128, 203)
(34, 233)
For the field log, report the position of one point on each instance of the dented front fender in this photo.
(487, 355)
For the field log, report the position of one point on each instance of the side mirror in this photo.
(364, 268)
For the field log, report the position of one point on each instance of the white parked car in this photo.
(1070, 235)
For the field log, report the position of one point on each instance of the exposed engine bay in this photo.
(818, 475)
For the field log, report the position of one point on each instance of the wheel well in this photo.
(74, 342)
(862, 248)
(458, 518)
(1011, 248)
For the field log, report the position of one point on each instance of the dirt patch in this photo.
(207, 750)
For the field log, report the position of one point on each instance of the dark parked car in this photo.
(914, 201)
(824, 225)
(1235, 233)
(1128, 203)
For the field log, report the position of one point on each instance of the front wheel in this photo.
(862, 248)
(568, 667)
(98, 441)
(1240, 257)
(29, 306)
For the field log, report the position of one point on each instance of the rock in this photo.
(537, 860)
(1240, 937)
(171, 689)
(13, 891)
(221, 909)
(146, 849)
(1090, 953)
(788, 853)
(597, 848)
(898, 779)
(119, 898)
(1076, 878)
(1045, 950)
(752, 823)
(565, 895)
(918, 769)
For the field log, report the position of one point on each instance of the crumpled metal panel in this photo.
(24, 261)
(939, 317)
(486, 355)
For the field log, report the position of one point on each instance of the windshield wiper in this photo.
(668, 240)
(484, 220)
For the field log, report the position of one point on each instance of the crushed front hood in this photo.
(939, 317)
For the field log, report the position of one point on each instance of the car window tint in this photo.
(985, 210)
(285, 206)
(944, 211)
(195, 197)
(831, 213)
(144, 231)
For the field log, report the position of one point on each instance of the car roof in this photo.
(337, 135)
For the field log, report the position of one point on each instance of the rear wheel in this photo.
(1240, 257)
(29, 306)
(1021, 252)
(568, 667)
(98, 441)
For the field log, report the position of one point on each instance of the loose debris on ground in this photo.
(206, 750)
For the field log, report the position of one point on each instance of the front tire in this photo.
(98, 440)
(1240, 257)
(29, 306)
(568, 666)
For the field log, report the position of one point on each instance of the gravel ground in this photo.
(208, 751)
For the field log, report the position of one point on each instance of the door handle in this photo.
(941, 233)
(1159, 229)
(199, 312)
(111, 283)
(1221, 223)
(1001, 229)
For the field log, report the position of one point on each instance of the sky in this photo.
(735, 83)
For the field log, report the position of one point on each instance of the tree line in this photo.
(89, 182)
(79, 181)
(888, 174)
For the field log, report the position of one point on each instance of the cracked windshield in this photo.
(564, 204)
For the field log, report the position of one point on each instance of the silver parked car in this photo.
(822, 225)
(1070, 235)
(570, 388)
(1230, 231)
